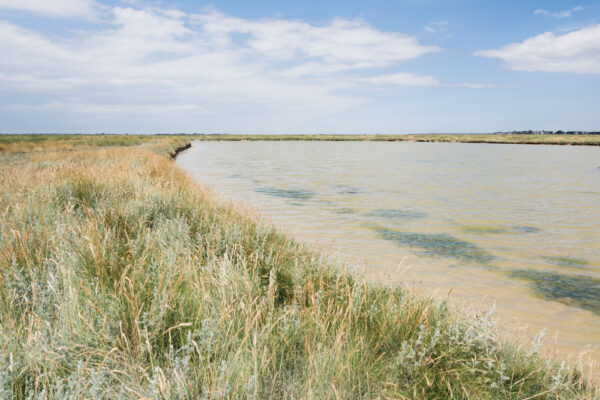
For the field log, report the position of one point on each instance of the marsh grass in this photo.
(22, 147)
(120, 278)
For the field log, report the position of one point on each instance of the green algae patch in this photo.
(437, 244)
(526, 229)
(396, 214)
(499, 229)
(572, 290)
(485, 229)
(347, 189)
(570, 262)
(345, 210)
(295, 194)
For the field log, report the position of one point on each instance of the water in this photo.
(514, 225)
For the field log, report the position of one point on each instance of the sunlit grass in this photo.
(120, 278)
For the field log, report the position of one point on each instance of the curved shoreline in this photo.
(175, 152)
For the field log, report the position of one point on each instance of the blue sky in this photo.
(402, 66)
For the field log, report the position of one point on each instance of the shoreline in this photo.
(175, 152)
(532, 139)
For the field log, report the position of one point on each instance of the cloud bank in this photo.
(152, 62)
(54, 8)
(575, 52)
(558, 14)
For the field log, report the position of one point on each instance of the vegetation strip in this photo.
(112, 140)
(554, 139)
(121, 278)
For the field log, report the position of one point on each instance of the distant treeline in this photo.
(559, 132)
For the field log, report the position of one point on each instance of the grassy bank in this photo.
(586, 140)
(121, 278)
(70, 142)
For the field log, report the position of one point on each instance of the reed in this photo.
(120, 277)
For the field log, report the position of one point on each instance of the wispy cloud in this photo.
(402, 79)
(576, 52)
(558, 14)
(54, 8)
(193, 66)
(342, 44)
(477, 85)
(437, 26)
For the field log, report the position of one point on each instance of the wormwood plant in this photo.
(120, 278)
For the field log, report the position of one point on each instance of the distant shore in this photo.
(508, 138)
(554, 139)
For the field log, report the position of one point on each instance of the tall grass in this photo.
(120, 278)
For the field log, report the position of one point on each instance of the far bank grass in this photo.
(13, 143)
(120, 278)
(588, 140)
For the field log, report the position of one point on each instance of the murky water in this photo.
(514, 225)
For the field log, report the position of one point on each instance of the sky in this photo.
(338, 66)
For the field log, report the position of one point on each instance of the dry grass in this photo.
(121, 278)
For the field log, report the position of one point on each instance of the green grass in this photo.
(120, 278)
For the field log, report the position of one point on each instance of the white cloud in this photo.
(342, 44)
(53, 8)
(558, 14)
(476, 85)
(192, 67)
(576, 52)
(437, 26)
(402, 79)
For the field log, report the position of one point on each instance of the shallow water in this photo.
(514, 225)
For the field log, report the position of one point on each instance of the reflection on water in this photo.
(520, 225)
